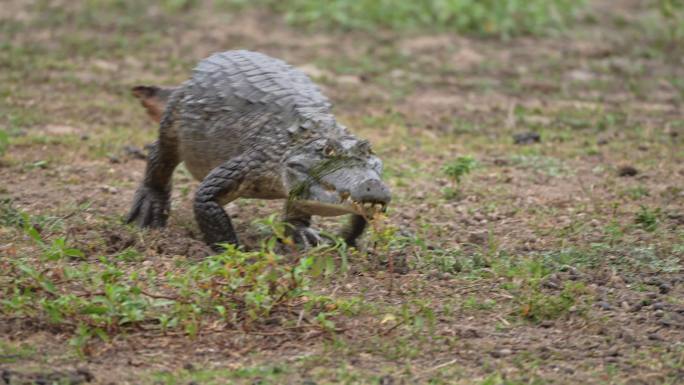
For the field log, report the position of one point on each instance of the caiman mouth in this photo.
(346, 206)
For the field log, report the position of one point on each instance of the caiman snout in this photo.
(371, 190)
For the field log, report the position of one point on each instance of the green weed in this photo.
(456, 170)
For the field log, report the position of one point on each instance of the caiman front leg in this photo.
(219, 187)
(354, 229)
(299, 228)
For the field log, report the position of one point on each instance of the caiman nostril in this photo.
(371, 190)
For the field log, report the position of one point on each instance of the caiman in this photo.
(251, 126)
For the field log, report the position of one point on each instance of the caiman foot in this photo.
(150, 208)
(305, 237)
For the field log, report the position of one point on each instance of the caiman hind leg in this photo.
(218, 188)
(151, 203)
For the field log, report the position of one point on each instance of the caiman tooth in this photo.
(357, 206)
(367, 206)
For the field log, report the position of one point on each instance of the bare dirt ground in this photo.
(557, 261)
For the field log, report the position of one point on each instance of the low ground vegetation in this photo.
(536, 233)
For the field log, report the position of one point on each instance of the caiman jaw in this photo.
(346, 206)
(366, 209)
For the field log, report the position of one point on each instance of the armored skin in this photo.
(251, 126)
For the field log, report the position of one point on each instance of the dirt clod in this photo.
(526, 138)
(626, 171)
(664, 288)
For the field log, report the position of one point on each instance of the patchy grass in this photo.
(548, 265)
(502, 18)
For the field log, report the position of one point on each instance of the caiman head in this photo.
(330, 177)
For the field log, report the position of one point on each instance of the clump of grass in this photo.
(456, 170)
(4, 142)
(534, 303)
(484, 17)
(538, 306)
(550, 166)
(647, 218)
(672, 13)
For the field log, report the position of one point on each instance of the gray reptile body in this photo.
(248, 125)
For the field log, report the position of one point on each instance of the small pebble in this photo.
(552, 283)
(501, 353)
(604, 305)
(134, 152)
(114, 159)
(109, 189)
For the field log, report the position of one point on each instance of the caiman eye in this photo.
(364, 148)
(329, 150)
